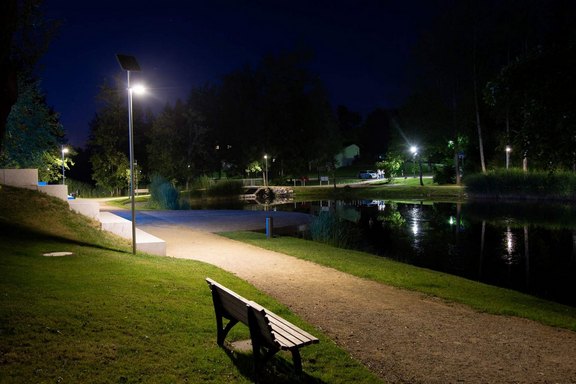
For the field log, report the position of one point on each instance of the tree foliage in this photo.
(516, 53)
(108, 143)
(24, 37)
(34, 132)
(537, 93)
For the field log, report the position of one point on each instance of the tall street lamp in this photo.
(266, 173)
(414, 150)
(129, 64)
(508, 150)
(64, 151)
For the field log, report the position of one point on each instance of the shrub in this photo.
(226, 188)
(329, 228)
(444, 174)
(203, 182)
(523, 185)
(163, 194)
(81, 189)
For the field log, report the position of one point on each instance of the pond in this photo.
(528, 248)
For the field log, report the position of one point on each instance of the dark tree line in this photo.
(277, 108)
(497, 74)
(491, 74)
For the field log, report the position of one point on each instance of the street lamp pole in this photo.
(64, 150)
(414, 150)
(508, 150)
(266, 173)
(129, 63)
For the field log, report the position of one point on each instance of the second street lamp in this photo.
(64, 151)
(266, 173)
(129, 64)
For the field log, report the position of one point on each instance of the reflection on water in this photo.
(504, 245)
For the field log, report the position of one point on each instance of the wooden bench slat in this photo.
(280, 323)
(265, 326)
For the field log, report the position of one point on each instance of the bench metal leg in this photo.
(297, 360)
(223, 331)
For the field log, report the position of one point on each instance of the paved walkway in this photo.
(402, 336)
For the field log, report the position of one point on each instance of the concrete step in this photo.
(145, 242)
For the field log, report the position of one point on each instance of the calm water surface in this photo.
(529, 248)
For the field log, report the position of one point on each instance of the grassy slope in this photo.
(474, 294)
(106, 316)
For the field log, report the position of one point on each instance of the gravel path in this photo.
(403, 337)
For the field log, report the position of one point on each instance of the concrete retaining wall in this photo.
(145, 242)
(86, 207)
(28, 178)
(22, 178)
(58, 190)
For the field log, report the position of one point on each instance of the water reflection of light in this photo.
(414, 221)
(510, 243)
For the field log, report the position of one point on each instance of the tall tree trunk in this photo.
(477, 105)
(456, 146)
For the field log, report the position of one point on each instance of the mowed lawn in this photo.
(103, 315)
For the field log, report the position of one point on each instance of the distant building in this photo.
(347, 156)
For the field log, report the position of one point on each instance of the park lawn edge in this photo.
(105, 315)
(479, 296)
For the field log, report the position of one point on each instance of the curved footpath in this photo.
(402, 336)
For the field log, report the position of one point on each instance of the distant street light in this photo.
(64, 150)
(266, 173)
(129, 64)
(414, 151)
(508, 150)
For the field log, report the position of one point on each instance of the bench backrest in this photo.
(229, 302)
(260, 324)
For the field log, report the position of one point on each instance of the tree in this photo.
(180, 146)
(375, 134)
(24, 37)
(538, 93)
(277, 108)
(391, 165)
(108, 142)
(33, 130)
(349, 124)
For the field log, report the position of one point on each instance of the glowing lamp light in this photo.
(139, 89)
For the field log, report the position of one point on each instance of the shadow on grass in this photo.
(14, 232)
(276, 371)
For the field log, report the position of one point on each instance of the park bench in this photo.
(269, 333)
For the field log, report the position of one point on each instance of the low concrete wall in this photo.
(58, 190)
(145, 242)
(28, 178)
(23, 178)
(86, 207)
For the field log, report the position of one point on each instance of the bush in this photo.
(226, 188)
(203, 182)
(163, 194)
(444, 174)
(81, 189)
(330, 229)
(523, 185)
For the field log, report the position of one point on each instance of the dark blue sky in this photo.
(362, 48)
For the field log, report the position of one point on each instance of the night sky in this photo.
(362, 48)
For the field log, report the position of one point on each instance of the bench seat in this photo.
(269, 333)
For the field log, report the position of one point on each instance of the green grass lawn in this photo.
(104, 315)
(481, 297)
(401, 189)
